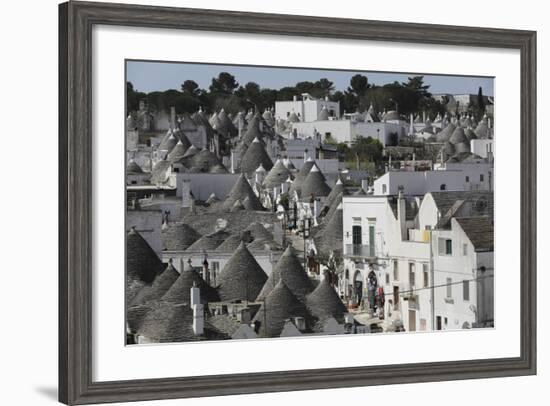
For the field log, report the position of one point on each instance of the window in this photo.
(395, 270)
(481, 177)
(356, 235)
(466, 290)
(467, 179)
(371, 240)
(411, 275)
(176, 169)
(426, 276)
(445, 246)
(387, 278)
(446, 321)
(448, 247)
(443, 187)
(134, 182)
(449, 288)
(464, 249)
(384, 189)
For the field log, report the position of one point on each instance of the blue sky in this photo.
(153, 76)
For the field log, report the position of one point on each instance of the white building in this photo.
(307, 109)
(483, 147)
(463, 266)
(447, 176)
(402, 244)
(348, 131)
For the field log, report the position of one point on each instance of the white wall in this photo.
(204, 184)
(37, 385)
(348, 131)
(482, 147)
(456, 177)
(340, 130)
(307, 110)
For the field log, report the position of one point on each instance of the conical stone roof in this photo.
(314, 184)
(458, 136)
(168, 323)
(323, 114)
(290, 270)
(142, 264)
(241, 191)
(336, 190)
(482, 129)
(242, 277)
(445, 134)
(277, 175)
(329, 238)
(280, 305)
(255, 156)
(208, 242)
(293, 118)
(180, 291)
(470, 134)
(204, 161)
(168, 143)
(178, 236)
(186, 123)
(133, 168)
(178, 152)
(324, 302)
(160, 286)
(448, 149)
(252, 131)
(301, 176)
(259, 232)
(268, 117)
(231, 243)
(225, 125)
(191, 151)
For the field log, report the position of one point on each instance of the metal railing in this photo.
(359, 250)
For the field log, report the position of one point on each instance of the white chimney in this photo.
(198, 319)
(300, 323)
(198, 310)
(316, 207)
(195, 295)
(402, 215)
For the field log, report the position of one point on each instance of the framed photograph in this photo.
(264, 202)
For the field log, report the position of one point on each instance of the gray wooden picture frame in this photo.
(76, 20)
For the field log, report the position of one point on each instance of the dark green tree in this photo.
(224, 84)
(358, 85)
(190, 88)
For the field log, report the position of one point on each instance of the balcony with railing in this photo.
(359, 251)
